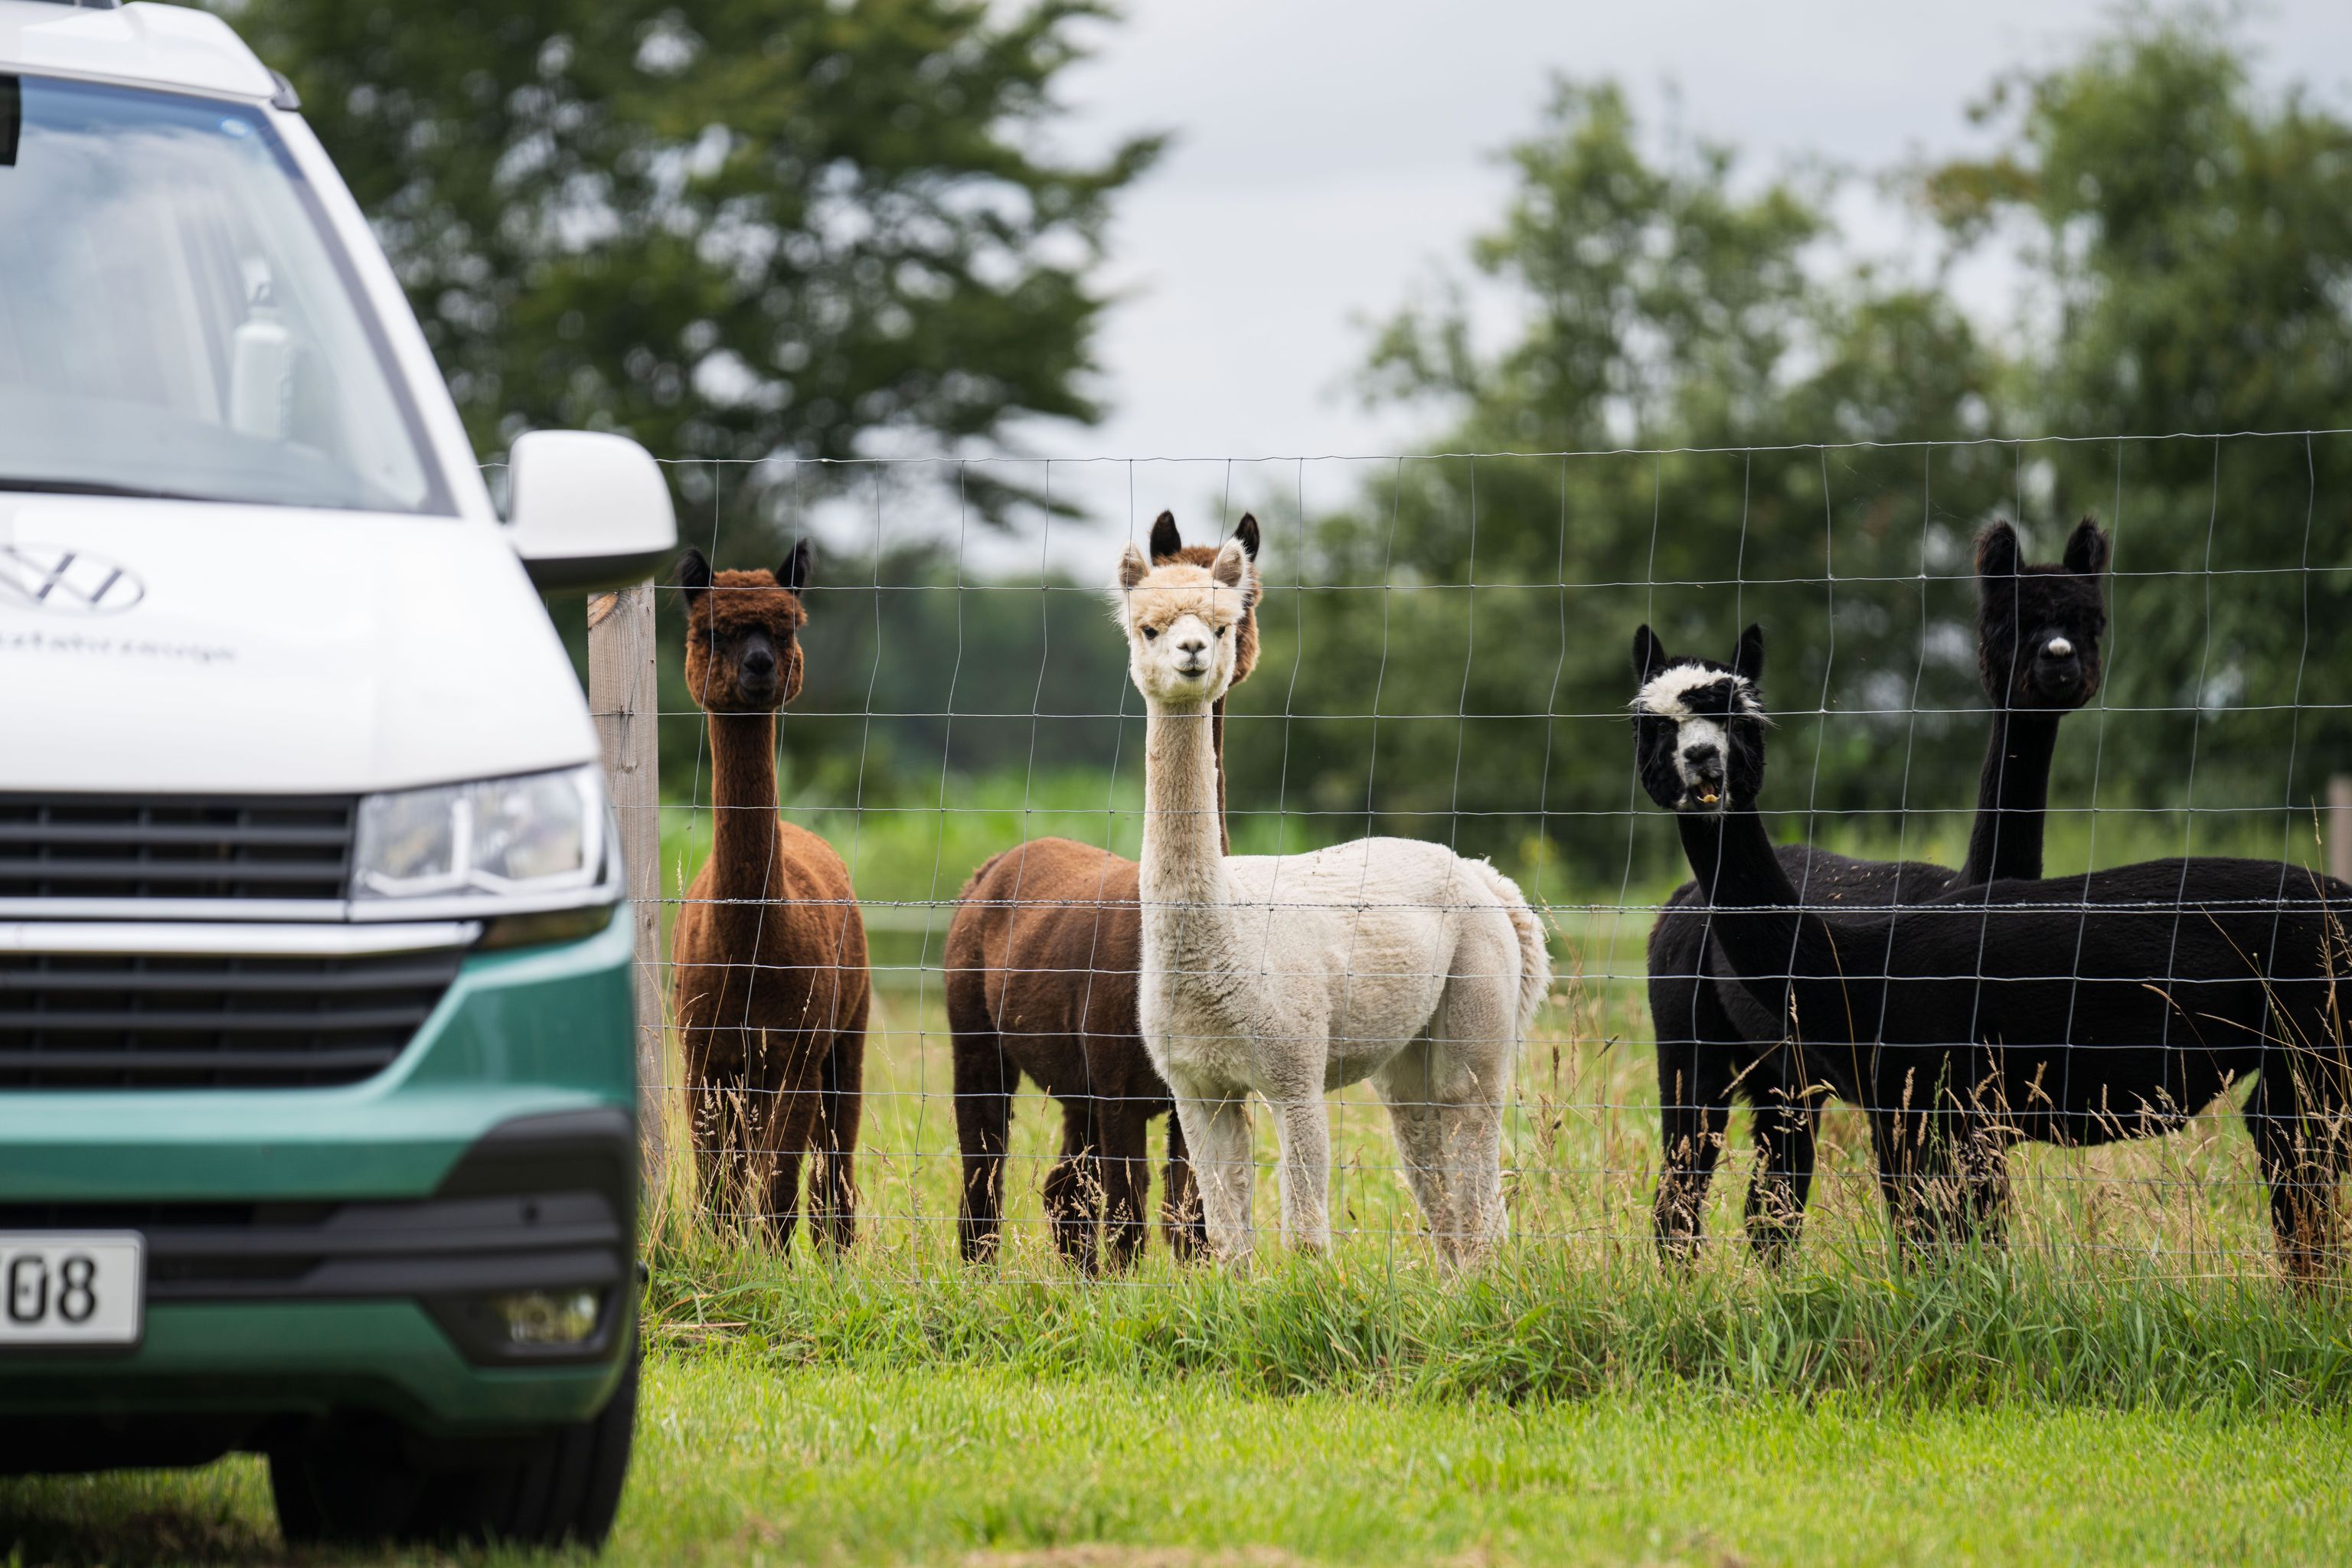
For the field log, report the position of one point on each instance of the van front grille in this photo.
(173, 849)
(77, 1021)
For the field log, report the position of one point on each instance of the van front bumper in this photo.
(331, 1253)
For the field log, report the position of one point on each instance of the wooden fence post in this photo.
(2340, 826)
(622, 699)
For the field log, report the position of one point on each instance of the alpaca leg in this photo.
(1470, 1147)
(1966, 1175)
(1304, 1127)
(1912, 1130)
(2297, 1169)
(1180, 1221)
(1217, 1135)
(841, 1104)
(1980, 1152)
(985, 1080)
(1124, 1158)
(1902, 1139)
(1787, 1130)
(1471, 1050)
(1986, 1197)
(793, 1096)
(1889, 1141)
(1416, 1122)
(722, 1147)
(1695, 1070)
(1072, 1187)
(718, 1119)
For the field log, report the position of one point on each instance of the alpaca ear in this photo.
(1649, 654)
(1165, 540)
(1997, 551)
(693, 575)
(1231, 569)
(1748, 661)
(1246, 531)
(1133, 567)
(2086, 549)
(799, 567)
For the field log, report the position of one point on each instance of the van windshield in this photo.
(176, 319)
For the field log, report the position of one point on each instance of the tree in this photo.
(1661, 305)
(2194, 235)
(746, 228)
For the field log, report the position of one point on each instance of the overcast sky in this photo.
(1328, 157)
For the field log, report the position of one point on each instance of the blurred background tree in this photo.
(769, 229)
(2190, 239)
(1666, 303)
(740, 229)
(2182, 247)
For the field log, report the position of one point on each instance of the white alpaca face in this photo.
(1182, 623)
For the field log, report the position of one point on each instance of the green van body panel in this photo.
(529, 1033)
(307, 1358)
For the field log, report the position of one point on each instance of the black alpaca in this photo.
(2037, 631)
(2074, 1011)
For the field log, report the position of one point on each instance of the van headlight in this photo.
(525, 845)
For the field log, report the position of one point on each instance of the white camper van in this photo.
(316, 1088)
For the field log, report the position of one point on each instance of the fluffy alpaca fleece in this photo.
(771, 983)
(2078, 1010)
(1041, 958)
(1387, 959)
(2038, 635)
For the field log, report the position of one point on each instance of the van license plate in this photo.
(58, 1289)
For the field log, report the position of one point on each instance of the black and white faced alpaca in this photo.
(2039, 628)
(2076, 1010)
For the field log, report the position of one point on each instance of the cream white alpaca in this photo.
(1386, 959)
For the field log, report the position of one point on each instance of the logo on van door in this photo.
(53, 577)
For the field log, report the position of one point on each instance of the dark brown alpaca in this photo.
(770, 951)
(1042, 957)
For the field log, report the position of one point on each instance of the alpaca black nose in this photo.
(759, 664)
(1702, 753)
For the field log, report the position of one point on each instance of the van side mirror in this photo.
(586, 511)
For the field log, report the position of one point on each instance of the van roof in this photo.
(158, 46)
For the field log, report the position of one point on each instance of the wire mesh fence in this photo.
(1441, 649)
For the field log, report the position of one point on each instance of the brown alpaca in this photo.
(770, 950)
(1041, 958)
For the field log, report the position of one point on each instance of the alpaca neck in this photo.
(743, 803)
(1754, 903)
(1185, 890)
(1217, 760)
(1754, 914)
(2011, 797)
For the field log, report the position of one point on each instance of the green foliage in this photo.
(735, 229)
(2195, 237)
(918, 678)
(1666, 306)
(1642, 283)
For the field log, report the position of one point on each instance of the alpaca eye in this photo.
(1151, 634)
(1220, 634)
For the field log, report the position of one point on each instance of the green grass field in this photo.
(741, 1459)
(2128, 1383)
